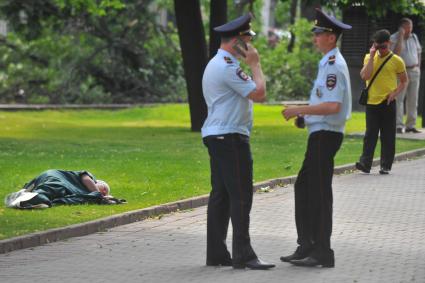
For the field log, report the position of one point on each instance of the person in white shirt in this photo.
(406, 44)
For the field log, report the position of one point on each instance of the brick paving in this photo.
(378, 236)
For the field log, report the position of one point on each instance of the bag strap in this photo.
(416, 39)
(380, 68)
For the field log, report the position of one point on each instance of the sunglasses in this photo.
(381, 46)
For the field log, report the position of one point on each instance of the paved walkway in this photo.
(379, 236)
(407, 136)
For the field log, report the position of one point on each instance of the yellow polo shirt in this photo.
(386, 81)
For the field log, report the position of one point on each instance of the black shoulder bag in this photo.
(365, 91)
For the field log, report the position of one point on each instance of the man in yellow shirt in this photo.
(381, 104)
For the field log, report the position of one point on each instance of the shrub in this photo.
(290, 75)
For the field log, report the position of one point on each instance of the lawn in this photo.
(148, 155)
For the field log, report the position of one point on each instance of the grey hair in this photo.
(405, 21)
(101, 182)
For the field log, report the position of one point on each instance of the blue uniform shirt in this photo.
(226, 88)
(332, 85)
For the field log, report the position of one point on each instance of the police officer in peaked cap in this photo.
(325, 116)
(229, 93)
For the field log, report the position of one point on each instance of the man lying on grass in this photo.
(55, 187)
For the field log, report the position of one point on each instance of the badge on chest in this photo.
(318, 93)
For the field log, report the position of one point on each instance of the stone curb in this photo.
(76, 230)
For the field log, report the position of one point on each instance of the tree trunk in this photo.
(293, 14)
(194, 52)
(218, 16)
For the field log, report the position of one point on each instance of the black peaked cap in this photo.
(325, 22)
(239, 26)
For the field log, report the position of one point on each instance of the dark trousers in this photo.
(230, 197)
(313, 193)
(380, 119)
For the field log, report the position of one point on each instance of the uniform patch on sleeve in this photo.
(331, 81)
(241, 74)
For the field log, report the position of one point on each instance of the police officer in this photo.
(229, 93)
(325, 116)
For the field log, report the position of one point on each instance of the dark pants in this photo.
(380, 119)
(313, 194)
(230, 197)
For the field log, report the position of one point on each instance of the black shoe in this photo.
(255, 263)
(399, 130)
(299, 253)
(384, 171)
(223, 262)
(413, 130)
(360, 166)
(311, 262)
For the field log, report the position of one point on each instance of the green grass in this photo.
(148, 155)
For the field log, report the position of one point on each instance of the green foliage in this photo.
(98, 8)
(53, 77)
(89, 52)
(112, 51)
(290, 75)
(282, 13)
(148, 155)
(379, 8)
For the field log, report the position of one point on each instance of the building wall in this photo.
(3, 28)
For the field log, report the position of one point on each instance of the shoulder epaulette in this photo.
(228, 60)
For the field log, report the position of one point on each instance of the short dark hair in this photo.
(381, 36)
(226, 39)
(337, 35)
(404, 21)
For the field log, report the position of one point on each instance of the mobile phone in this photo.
(240, 47)
(300, 122)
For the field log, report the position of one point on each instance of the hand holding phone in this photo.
(300, 122)
(372, 50)
(240, 47)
